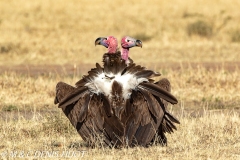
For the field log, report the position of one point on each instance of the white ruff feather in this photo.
(102, 84)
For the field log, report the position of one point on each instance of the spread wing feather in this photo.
(81, 82)
(62, 89)
(128, 108)
(170, 123)
(113, 128)
(144, 134)
(172, 118)
(155, 90)
(87, 78)
(169, 128)
(131, 129)
(84, 107)
(133, 69)
(139, 125)
(107, 106)
(164, 84)
(99, 68)
(72, 97)
(167, 124)
(146, 74)
(153, 104)
(134, 118)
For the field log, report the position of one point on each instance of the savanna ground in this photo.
(195, 44)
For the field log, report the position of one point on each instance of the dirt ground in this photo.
(79, 69)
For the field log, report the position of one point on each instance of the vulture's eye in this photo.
(128, 40)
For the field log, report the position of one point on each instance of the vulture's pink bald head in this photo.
(109, 42)
(129, 42)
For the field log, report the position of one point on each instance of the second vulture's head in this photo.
(126, 43)
(109, 42)
(129, 42)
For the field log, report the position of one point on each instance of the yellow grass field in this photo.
(43, 42)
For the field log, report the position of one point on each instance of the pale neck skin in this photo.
(124, 53)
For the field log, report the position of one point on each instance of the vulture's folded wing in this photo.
(85, 114)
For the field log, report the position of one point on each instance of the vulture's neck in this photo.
(124, 53)
(112, 49)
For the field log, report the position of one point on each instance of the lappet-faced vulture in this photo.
(118, 103)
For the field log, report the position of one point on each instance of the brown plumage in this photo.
(118, 103)
(93, 114)
(90, 124)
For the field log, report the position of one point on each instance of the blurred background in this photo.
(48, 32)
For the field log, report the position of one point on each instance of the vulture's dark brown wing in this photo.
(165, 84)
(149, 110)
(91, 116)
(138, 113)
(73, 97)
(114, 129)
(62, 89)
(146, 74)
(159, 92)
(167, 125)
(152, 103)
(81, 89)
(143, 113)
(142, 125)
(88, 121)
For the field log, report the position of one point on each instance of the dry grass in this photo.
(209, 135)
(47, 32)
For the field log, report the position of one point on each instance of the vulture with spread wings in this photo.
(118, 104)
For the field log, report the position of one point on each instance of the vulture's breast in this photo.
(114, 85)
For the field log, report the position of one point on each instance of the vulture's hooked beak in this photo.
(138, 43)
(101, 41)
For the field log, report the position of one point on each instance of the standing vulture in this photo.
(118, 104)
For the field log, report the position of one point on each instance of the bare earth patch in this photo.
(40, 70)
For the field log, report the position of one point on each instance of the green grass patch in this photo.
(235, 36)
(200, 28)
(10, 108)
